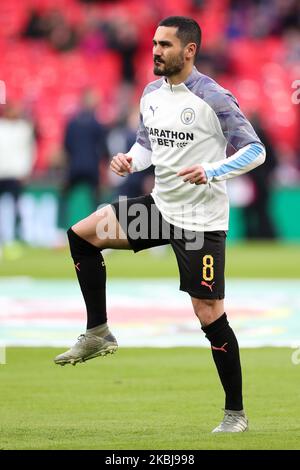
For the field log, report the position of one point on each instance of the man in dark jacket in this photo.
(85, 147)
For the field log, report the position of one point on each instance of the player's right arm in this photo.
(137, 159)
(121, 164)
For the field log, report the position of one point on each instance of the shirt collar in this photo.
(193, 76)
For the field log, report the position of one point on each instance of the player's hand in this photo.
(121, 164)
(194, 175)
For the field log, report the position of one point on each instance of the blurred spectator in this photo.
(257, 219)
(262, 18)
(122, 37)
(92, 37)
(291, 39)
(35, 28)
(85, 147)
(120, 139)
(287, 172)
(17, 151)
(61, 35)
(53, 27)
(288, 15)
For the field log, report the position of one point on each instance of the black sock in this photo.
(91, 274)
(225, 351)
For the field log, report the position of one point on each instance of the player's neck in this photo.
(180, 77)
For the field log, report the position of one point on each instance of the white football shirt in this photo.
(188, 124)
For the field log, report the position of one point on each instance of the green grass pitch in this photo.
(264, 260)
(127, 401)
(146, 398)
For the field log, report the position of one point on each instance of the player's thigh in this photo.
(201, 265)
(142, 222)
(102, 229)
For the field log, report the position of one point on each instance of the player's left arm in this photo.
(229, 122)
(242, 161)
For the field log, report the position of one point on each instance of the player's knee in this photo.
(206, 310)
(79, 246)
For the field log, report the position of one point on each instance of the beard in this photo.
(173, 66)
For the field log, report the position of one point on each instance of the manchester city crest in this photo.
(188, 116)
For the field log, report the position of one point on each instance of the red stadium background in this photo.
(51, 50)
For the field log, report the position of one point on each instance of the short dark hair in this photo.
(188, 29)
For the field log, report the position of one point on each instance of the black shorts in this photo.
(200, 255)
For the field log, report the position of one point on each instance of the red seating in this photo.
(50, 82)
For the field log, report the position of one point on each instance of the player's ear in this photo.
(190, 50)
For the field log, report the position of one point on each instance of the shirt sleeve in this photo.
(229, 121)
(141, 157)
(141, 151)
(242, 161)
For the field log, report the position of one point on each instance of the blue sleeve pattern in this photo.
(245, 159)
